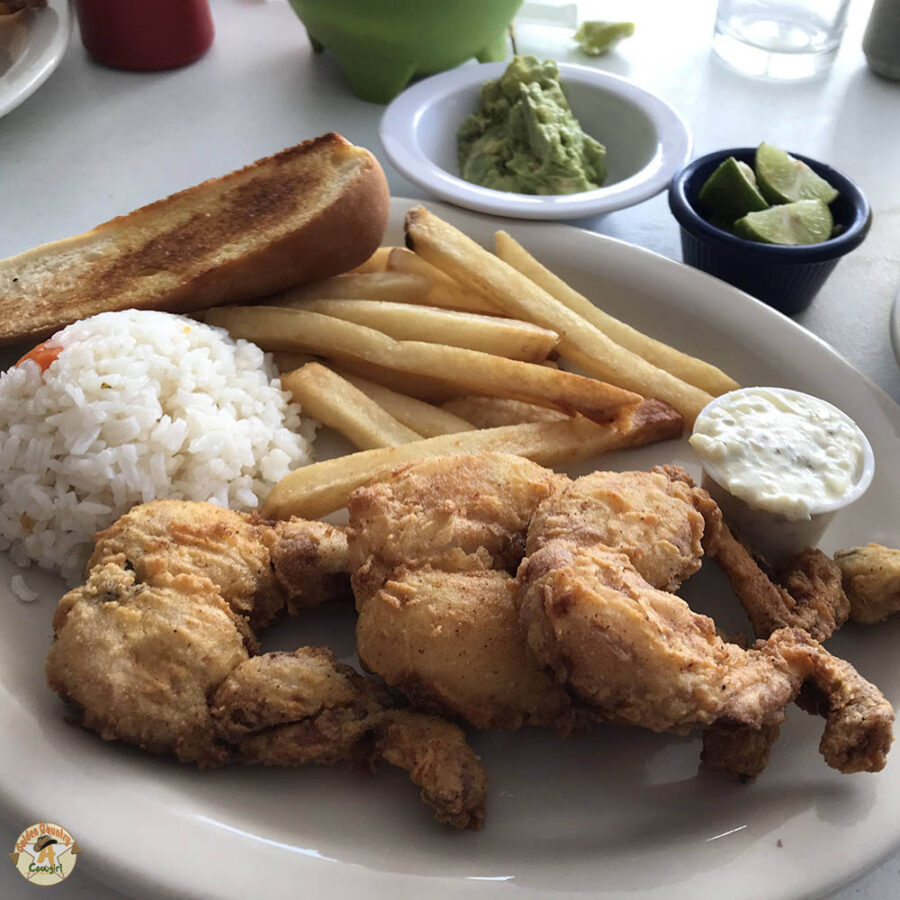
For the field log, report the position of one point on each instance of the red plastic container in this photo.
(145, 35)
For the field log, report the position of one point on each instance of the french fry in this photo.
(452, 297)
(492, 412)
(377, 262)
(458, 255)
(337, 403)
(468, 371)
(400, 287)
(321, 488)
(445, 292)
(688, 368)
(511, 338)
(287, 362)
(402, 260)
(424, 418)
(420, 387)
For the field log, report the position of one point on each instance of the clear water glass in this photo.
(781, 40)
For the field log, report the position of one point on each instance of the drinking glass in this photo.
(782, 40)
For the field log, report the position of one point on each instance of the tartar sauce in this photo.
(779, 450)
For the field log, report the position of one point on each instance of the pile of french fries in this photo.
(447, 348)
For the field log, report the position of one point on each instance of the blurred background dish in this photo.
(646, 141)
(381, 45)
(32, 43)
(785, 277)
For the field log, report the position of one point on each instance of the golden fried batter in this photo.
(311, 563)
(431, 549)
(739, 749)
(290, 709)
(450, 642)
(460, 513)
(648, 517)
(140, 659)
(282, 688)
(438, 759)
(171, 537)
(156, 649)
(257, 566)
(637, 653)
(871, 577)
(641, 656)
(806, 594)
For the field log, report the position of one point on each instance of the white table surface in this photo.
(93, 143)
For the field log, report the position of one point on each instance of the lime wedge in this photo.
(783, 179)
(748, 172)
(800, 222)
(730, 192)
(724, 224)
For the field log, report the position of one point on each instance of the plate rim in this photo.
(895, 326)
(396, 132)
(156, 873)
(27, 82)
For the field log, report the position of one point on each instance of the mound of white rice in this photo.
(138, 405)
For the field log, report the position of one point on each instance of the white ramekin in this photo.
(772, 535)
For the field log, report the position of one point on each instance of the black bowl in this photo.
(784, 277)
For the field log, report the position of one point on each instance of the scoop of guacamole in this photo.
(524, 137)
(597, 38)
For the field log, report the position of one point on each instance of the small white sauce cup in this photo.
(772, 535)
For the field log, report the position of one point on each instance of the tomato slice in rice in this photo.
(44, 355)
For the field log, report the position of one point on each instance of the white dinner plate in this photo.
(615, 813)
(32, 44)
(895, 327)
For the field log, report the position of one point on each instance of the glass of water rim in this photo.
(783, 40)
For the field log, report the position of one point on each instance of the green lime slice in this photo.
(730, 192)
(783, 179)
(749, 174)
(800, 222)
(724, 224)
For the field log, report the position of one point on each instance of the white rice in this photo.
(138, 405)
(21, 590)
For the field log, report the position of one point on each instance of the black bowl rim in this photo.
(695, 224)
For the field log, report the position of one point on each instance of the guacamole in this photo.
(524, 137)
(597, 38)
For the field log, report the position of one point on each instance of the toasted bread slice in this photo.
(306, 213)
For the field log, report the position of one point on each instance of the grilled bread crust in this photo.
(306, 213)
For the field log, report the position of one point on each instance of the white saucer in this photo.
(646, 140)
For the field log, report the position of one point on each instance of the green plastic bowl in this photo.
(381, 45)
